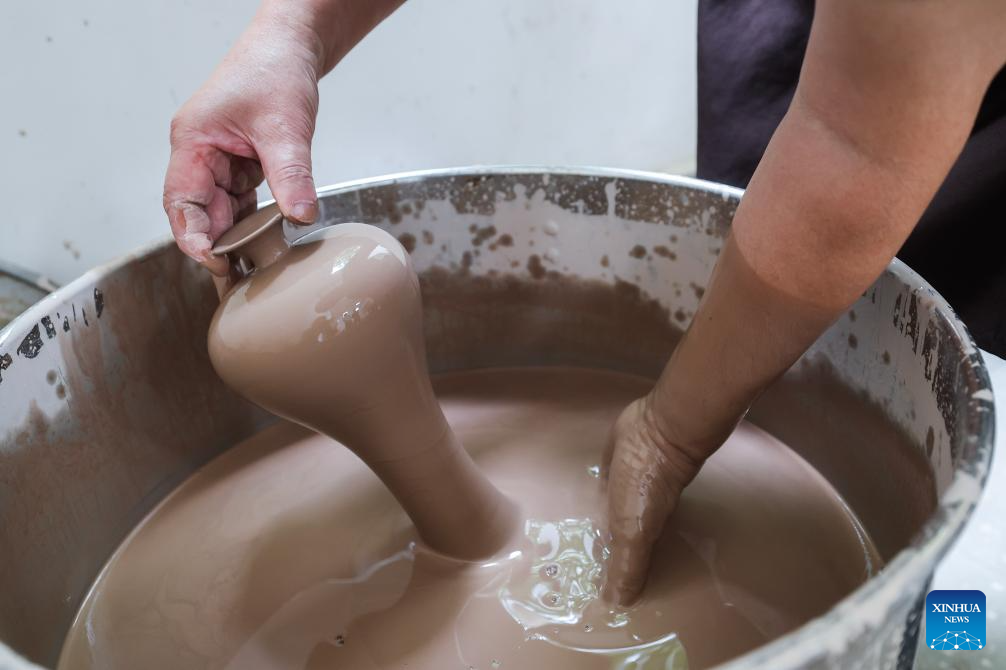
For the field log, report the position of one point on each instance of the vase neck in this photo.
(258, 239)
(266, 248)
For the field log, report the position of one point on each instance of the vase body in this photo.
(329, 335)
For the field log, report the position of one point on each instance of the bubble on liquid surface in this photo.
(565, 574)
(618, 620)
(553, 593)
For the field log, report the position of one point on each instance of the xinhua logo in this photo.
(955, 620)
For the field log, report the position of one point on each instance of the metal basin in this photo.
(107, 398)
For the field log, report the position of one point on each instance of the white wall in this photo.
(88, 87)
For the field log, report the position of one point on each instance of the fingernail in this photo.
(305, 211)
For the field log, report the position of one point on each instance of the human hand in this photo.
(253, 118)
(646, 470)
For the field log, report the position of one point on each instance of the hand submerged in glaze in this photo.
(845, 178)
(645, 472)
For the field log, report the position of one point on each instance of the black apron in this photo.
(749, 57)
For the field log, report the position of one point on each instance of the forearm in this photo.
(863, 148)
(332, 27)
(818, 224)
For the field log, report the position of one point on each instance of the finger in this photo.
(232, 173)
(224, 283)
(189, 192)
(190, 225)
(287, 166)
(245, 175)
(198, 245)
(609, 451)
(625, 425)
(221, 211)
(245, 205)
(640, 499)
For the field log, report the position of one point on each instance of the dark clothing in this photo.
(749, 57)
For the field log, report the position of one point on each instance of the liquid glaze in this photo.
(287, 552)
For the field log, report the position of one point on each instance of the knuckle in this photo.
(166, 202)
(188, 128)
(292, 172)
(289, 126)
(181, 203)
(178, 130)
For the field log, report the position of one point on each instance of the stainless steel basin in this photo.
(107, 398)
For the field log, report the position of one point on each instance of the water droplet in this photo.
(594, 471)
(553, 599)
(587, 628)
(551, 570)
(495, 663)
(339, 640)
(618, 620)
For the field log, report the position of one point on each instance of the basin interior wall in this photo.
(108, 401)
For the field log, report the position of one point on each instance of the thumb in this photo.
(641, 496)
(287, 168)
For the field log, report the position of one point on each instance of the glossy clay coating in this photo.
(745, 334)
(329, 335)
(287, 552)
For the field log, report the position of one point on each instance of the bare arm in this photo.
(334, 26)
(255, 118)
(887, 97)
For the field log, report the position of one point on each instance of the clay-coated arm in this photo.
(887, 96)
(255, 118)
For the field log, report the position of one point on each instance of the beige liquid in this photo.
(288, 552)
